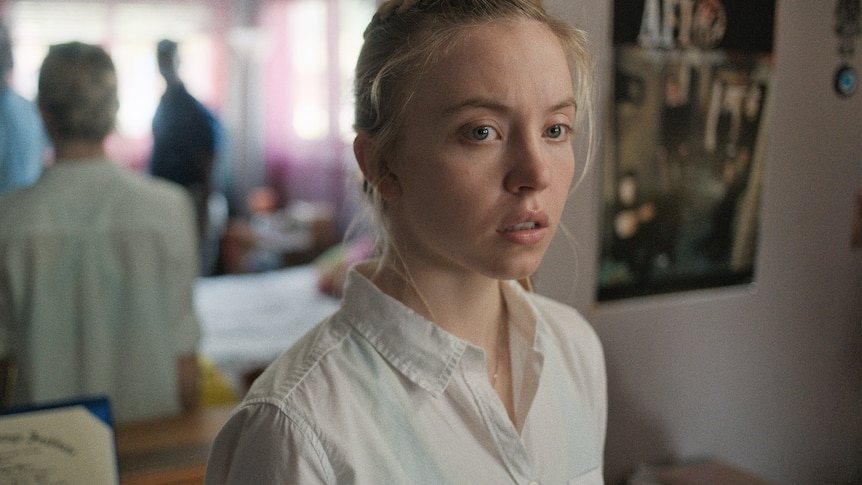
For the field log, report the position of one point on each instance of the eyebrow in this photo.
(494, 105)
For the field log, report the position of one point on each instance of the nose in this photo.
(529, 169)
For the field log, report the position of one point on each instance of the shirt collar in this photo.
(421, 350)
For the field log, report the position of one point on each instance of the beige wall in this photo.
(768, 376)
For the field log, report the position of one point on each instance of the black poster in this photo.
(685, 157)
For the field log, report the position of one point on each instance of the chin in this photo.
(516, 270)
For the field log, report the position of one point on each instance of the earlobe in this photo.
(389, 187)
(374, 168)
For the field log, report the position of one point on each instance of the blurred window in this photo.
(310, 63)
(304, 91)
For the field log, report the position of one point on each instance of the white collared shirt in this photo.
(378, 394)
(97, 270)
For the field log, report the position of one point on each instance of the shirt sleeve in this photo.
(262, 443)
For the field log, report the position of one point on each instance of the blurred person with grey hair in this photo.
(97, 263)
(23, 142)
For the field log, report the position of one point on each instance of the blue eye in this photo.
(557, 131)
(481, 133)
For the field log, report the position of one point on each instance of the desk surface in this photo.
(168, 451)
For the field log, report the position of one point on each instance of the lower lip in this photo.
(526, 237)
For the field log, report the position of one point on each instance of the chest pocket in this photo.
(592, 477)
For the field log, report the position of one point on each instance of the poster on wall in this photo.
(685, 154)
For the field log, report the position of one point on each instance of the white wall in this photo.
(769, 376)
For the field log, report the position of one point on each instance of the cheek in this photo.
(466, 183)
(436, 189)
(565, 164)
(562, 183)
(567, 171)
(461, 200)
(448, 183)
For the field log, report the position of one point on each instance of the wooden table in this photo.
(171, 451)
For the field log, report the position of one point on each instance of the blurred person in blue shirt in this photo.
(23, 142)
(187, 139)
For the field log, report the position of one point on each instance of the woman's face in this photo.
(484, 159)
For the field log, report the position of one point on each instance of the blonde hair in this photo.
(78, 91)
(406, 37)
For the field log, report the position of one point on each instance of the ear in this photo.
(374, 168)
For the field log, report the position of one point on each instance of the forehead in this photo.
(502, 60)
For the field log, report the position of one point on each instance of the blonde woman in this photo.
(439, 367)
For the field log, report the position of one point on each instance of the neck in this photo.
(78, 149)
(467, 305)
